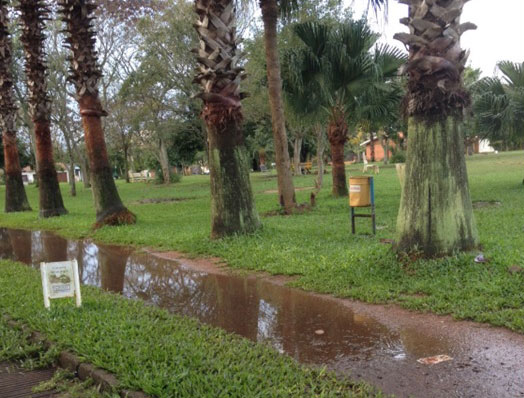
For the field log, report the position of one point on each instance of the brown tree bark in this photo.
(15, 195)
(286, 188)
(32, 15)
(108, 206)
(51, 202)
(85, 74)
(337, 135)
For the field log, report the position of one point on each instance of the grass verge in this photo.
(317, 247)
(161, 354)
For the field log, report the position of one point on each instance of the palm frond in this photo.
(513, 73)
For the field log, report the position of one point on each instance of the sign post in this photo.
(60, 280)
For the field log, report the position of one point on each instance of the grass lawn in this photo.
(148, 349)
(318, 248)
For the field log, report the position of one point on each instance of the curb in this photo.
(106, 381)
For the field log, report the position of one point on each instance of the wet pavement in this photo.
(378, 344)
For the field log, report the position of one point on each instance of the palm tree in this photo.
(499, 103)
(32, 16)
(377, 109)
(271, 9)
(435, 215)
(338, 58)
(232, 206)
(86, 74)
(15, 195)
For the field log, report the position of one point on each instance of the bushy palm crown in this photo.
(499, 103)
(336, 65)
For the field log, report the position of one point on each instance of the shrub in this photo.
(398, 157)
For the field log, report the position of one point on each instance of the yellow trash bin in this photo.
(359, 192)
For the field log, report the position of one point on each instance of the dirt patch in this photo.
(274, 191)
(149, 201)
(482, 204)
(299, 209)
(516, 269)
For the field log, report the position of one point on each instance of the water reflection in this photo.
(261, 311)
(256, 309)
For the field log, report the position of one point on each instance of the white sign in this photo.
(60, 280)
(354, 188)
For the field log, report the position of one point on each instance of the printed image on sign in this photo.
(60, 280)
(354, 188)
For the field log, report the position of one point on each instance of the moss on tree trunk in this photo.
(232, 206)
(51, 202)
(436, 215)
(15, 195)
(108, 205)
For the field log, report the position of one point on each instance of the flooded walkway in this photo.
(378, 344)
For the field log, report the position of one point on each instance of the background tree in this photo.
(338, 58)
(435, 215)
(499, 104)
(32, 16)
(271, 9)
(85, 74)
(15, 195)
(232, 205)
(377, 112)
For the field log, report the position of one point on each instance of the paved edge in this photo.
(105, 380)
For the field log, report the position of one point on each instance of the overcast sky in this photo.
(500, 33)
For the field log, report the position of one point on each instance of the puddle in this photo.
(378, 344)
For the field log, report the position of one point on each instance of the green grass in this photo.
(162, 354)
(318, 248)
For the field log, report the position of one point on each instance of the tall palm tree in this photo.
(32, 16)
(15, 195)
(499, 103)
(435, 215)
(338, 57)
(271, 9)
(270, 12)
(232, 206)
(86, 74)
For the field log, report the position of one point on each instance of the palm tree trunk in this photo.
(320, 158)
(72, 181)
(32, 15)
(232, 205)
(85, 74)
(51, 203)
(436, 216)
(286, 188)
(15, 195)
(337, 135)
(108, 206)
